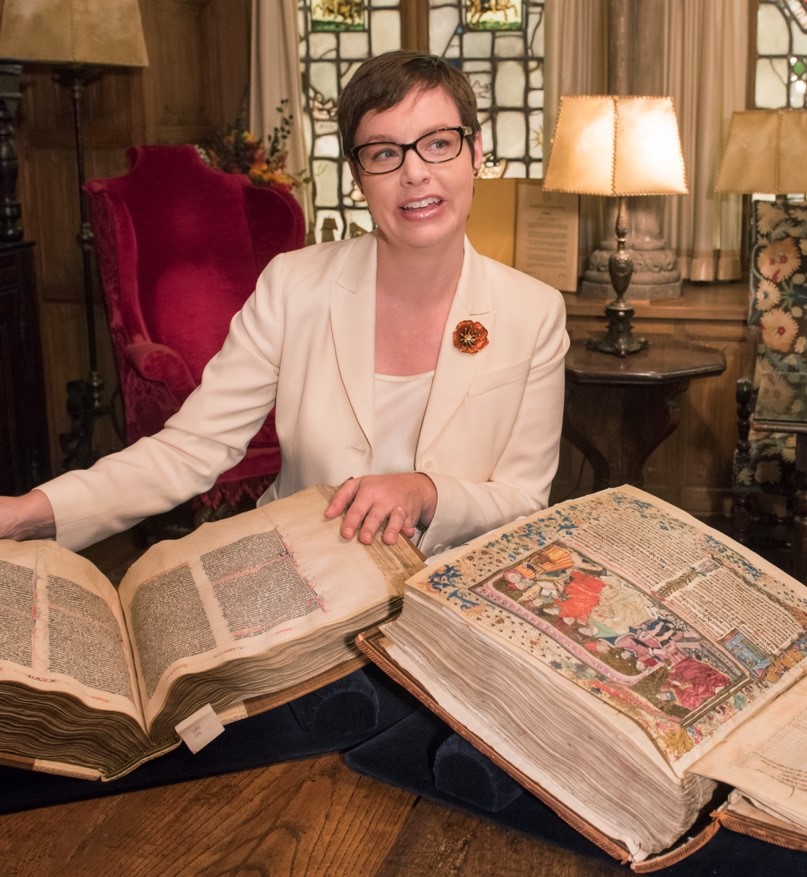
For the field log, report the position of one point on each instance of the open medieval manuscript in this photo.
(240, 615)
(624, 662)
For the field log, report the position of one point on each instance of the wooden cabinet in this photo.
(24, 457)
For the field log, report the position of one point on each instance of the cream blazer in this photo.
(304, 342)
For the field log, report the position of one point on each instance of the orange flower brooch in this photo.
(470, 337)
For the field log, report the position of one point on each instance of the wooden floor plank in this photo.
(310, 817)
(440, 841)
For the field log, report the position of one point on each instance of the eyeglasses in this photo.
(383, 157)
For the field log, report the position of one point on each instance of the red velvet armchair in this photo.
(179, 249)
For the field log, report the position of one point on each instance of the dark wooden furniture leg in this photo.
(618, 427)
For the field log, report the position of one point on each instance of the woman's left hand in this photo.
(392, 504)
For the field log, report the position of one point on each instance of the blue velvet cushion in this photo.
(462, 771)
(349, 706)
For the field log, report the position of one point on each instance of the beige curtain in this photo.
(275, 76)
(576, 62)
(706, 65)
(576, 53)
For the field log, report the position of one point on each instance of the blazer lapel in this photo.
(455, 370)
(353, 328)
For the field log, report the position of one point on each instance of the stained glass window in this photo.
(335, 37)
(781, 56)
(499, 45)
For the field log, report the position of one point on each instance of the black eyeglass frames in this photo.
(383, 156)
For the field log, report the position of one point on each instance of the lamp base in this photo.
(619, 339)
(85, 406)
(77, 445)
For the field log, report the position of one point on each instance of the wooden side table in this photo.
(619, 410)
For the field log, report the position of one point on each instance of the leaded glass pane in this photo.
(510, 84)
(511, 134)
(478, 45)
(444, 23)
(773, 36)
(781, 71)
(327, 145)
(355, 45)
(385, 28)
(335, 37)
(327, 192)
(508, 46)
(504, 72)
(771, 91)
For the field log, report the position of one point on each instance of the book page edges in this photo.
(43, 765)
(247, 708)
(679, 852)
(254, 706)
(82, 772)
(372, 643)
(755, 823)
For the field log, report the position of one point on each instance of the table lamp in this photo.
(79, 37)
(618, 146)
(765, 153)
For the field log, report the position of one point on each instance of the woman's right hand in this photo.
(29, 516)
(390, 504)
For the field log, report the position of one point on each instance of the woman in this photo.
(424, 379)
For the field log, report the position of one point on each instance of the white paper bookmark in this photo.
(200, 728)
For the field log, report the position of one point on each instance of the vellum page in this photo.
(766, 758)
(632, 600)
(62, 628)
(256, 585)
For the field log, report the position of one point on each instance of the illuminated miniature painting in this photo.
(493, 14)
(338, 15)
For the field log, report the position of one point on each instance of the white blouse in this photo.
(400, 402)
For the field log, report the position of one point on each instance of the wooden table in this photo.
(775, 414)
(619, 410)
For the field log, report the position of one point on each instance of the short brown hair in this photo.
(382, 82)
